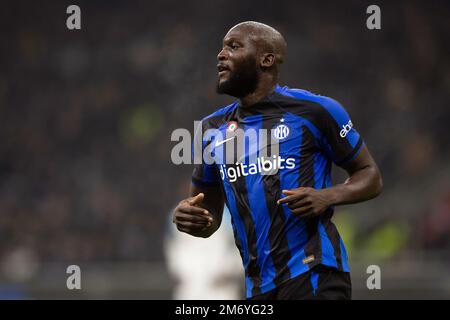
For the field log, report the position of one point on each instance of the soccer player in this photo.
(282, 218)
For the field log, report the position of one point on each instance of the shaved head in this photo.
(266, 38)
(251, 56)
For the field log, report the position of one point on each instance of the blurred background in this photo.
(86, 116)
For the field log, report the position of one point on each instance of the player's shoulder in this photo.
(308, 96)
(319, 104)
(220, 115)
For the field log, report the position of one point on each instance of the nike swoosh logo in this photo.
(219, 143)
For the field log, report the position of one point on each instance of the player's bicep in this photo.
(205, 172)
(206, 175)
(340, 138)
(362, 160)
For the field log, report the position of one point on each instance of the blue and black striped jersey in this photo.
(312, 132)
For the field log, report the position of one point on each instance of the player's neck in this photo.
(263, 89)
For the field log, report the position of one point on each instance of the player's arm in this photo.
(201, 214)
(339, 141)
(364, 183)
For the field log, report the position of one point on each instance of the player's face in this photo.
(237, 65)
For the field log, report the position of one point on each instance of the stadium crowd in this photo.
(86, 118)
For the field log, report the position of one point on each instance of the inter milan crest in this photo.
(281, 131)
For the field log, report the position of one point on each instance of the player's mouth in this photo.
(222, 69)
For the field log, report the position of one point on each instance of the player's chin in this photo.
(222, 86)
(223, 77)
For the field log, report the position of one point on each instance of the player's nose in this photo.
(221, 56)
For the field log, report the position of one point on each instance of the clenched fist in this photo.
(190, 217)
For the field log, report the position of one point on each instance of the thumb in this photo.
(288, 192)
(197, 199)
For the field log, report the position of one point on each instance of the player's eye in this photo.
(234, 46)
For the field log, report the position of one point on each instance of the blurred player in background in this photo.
(205, 268)
(281, 221)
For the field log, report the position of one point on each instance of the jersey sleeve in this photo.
(204, 174)
(340, 140)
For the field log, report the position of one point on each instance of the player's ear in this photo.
(267, 60)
